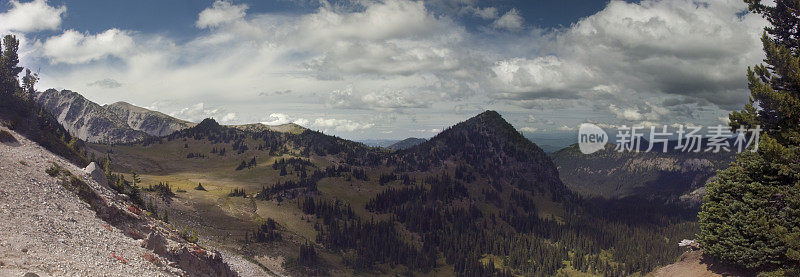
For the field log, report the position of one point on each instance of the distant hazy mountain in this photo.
(552, 141)
(378, 142)
(549, 148)
(406, 143)
(670, 176)
(118, 122)
(283, 128)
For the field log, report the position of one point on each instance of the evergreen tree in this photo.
(241, 166)
(136, 178)
(9, 61)
(107, 166)
(29, 81)
(751, 214)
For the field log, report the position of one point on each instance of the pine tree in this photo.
(136, 179)
(751, 214)
(241, 166)
(107, 166)
(29, 81)
(8, 64)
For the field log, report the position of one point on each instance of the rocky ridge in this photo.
(673, 177)
(118, 123)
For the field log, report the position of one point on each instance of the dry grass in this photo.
(224, 220)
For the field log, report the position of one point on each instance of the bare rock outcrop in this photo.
(57, 220)
(194, 260)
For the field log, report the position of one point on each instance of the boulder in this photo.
(97, 174)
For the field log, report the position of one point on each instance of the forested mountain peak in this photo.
(489, 145)
(489, 125)
(208, 123)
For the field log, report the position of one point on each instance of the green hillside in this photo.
(475, 200)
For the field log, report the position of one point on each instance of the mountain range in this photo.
(672, 176)
(484, 192)
(476, 199)
(115, 123)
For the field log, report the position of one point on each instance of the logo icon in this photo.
(591, 138)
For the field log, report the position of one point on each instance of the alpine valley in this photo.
(477, 199)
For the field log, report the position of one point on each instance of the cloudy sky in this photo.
(398, 68)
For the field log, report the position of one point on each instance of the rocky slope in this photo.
(151, 122)
(58, 220)
(118, 122)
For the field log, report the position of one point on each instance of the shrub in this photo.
(7, 137)
(190, 236)
(163, 189)
(134, 210)
(237, 192)
(52, 171)
(118, 258)
(152, 259)
(55, 170)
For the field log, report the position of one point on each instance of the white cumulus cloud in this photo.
(565, 128)
(277, 119)
(390, 58)
(219, 13)
(511, 20)
(340, 124)
(74, 47)
(31, 16)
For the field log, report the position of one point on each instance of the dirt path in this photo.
(695, 264)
